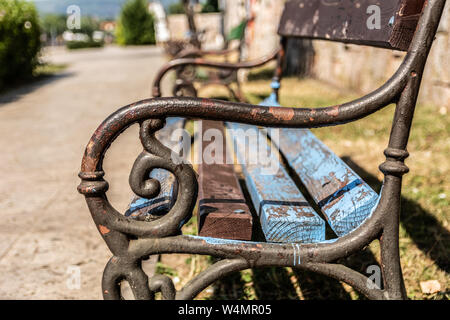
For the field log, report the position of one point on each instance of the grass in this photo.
(42, 71)
(424, 228)
(48, 69)
(74, 45)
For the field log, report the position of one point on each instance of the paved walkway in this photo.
(46, 230)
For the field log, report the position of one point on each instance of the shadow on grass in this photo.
(420, 225)
(262, 74)
(277, 283)
(17, 91)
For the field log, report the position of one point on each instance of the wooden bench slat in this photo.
(141, 208)
(344, 198)
(284, 213)
(349, 21)
(222, 210)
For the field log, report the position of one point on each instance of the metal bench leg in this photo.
(390, 260)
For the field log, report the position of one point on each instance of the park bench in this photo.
(184, 48)
(309, 188)
(174, 47)
(186, 75)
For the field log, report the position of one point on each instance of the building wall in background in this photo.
(365, 68)
(211, 23)
(347, 66)
(262, 35)
(357, 67)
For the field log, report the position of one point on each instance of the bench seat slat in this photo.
(344, 198)
(222, 209)
(141, 208)
(284, 213)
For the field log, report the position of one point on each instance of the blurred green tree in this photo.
(19, 40)
(53, 24)
(136, 24)
(211, 6)
(89, 25)
(176, 8)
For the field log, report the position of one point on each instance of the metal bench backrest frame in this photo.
(131, 241)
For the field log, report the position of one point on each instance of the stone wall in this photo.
(261, 33)
(210, 22)
(348, 66)
(364, 68)
(359, 68)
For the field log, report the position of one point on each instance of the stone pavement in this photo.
(46, 233)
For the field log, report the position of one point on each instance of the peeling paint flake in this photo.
(279, 113)
(103, 230)
(334, 112)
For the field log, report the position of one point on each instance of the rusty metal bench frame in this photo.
(131, 241)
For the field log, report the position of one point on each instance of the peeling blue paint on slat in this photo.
(164, 197)
(219, 241)
(284, 213)
(270, 101)
(344, 198)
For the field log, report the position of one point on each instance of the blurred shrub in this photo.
(176, 8)
(19, 40)
(89, 25)
(211, 6)
(135, 26)
(53, 25)
(83, 44)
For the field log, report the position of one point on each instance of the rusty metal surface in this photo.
(130, 241)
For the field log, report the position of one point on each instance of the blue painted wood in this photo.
(271, 101)
(141, 208)
(284, 213)
(344, 198)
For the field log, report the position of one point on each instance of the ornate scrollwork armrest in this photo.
(112, 224)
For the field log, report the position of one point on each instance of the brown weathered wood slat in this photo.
(222, 211)
(346, 21)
